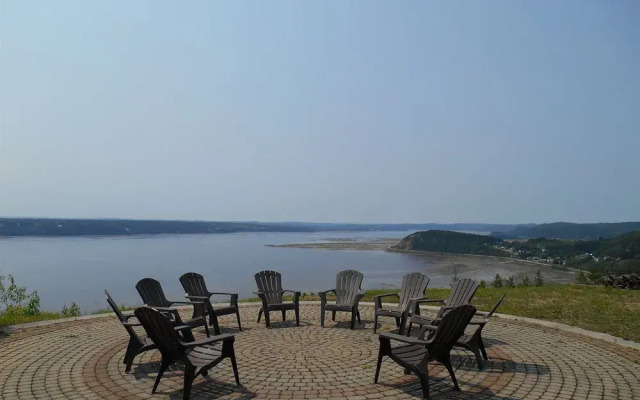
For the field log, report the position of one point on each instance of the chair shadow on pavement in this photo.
(206, 387)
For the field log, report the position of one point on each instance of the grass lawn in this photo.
(9, 318)
(596, 308)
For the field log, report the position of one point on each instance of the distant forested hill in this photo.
(619, 254)
(566, 230)
(452, 242)
(116, 227)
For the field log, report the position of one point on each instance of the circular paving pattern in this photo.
(83, 359)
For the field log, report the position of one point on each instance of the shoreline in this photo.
(449, 263)
(385, 245)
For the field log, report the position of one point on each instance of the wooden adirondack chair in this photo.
(136, 344)
(193, 283)
(197, 356)
(270, 292)
(473, 341)
(348, 293)
(415, 354)
(413, 288)
(152, 295)
(462, 292)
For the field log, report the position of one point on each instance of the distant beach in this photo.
(446, 263)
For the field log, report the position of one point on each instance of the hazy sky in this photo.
(327, 111)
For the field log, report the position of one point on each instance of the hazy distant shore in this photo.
(445, 263)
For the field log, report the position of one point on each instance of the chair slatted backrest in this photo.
(449, 330)
(193, 283)
(413, 285)
(120, 316)
(151, 292)
(348, 284)
(462, 292)
(160, 329)
(270, 282)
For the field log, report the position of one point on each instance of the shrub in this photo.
(510, 281)
(497, 281)
(525, 281)
(454, 278)
(581, 278)
(539, 281)
(72, 311)
(482, 283)
(12, 296)
(594, 277)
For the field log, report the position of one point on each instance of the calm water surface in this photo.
(80, 268)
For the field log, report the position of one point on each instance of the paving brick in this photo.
(83, 359)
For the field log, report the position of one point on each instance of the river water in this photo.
(80, 268)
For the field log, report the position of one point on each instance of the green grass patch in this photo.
(15, 316)
(596, 308)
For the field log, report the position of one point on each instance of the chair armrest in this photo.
(170, 309)
(181, 327)
(482, 313)
(424, 330)
(127, 316)
(403, 339)
(296, 294)
(323, 295)
(187, 302)
(131, 324)
(196, 319)
(358, 297)
(425, 300)
(223, 294)
(212, 339)
(378, 298)
(204, 298)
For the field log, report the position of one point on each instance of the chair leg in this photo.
(378, 365)
(424, 382)
(385, 349)
(163, 367)
(322, 316)
(206, 329)
(403, 322)
(132, 350)
(353, 319)
(213, 321)
(267, 320)
(398, 322)
(284, 315)
(479, 360)
(235, 366)
(259, 314)
(238, 317)
(358, 315)
(297, 310)
(409, 328)
(484, 352)
(189, 375)
(375, 322)
(333, 315)
(447, 363)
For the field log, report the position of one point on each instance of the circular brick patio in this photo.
(83, 359)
